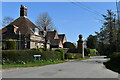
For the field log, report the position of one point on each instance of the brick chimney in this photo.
(23, 11)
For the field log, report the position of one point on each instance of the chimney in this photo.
(23, 11)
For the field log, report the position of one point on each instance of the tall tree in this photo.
(6, 21)
(92, 42)
(44, 21)
(107, 36)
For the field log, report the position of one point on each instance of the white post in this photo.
(83, 49)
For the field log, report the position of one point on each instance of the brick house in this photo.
(28, 35)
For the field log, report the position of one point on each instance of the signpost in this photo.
(37, 56)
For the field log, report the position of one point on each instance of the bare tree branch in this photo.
(6, 21)
(44, 20)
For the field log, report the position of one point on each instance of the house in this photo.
(28, 35)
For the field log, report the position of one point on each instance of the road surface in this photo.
(91, 68)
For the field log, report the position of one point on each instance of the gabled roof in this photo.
(61, 37)
(51, 34)
(55, 42)
(24, 25)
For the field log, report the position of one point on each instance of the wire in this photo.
(86, 8)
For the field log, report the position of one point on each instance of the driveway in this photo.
(91, 68)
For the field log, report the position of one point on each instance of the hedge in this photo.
(116, 57)
(27, 55)
(114, 63)
(73, 55)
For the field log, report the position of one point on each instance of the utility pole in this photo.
(45, 37)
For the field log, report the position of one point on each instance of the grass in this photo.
(31, 64)
(80, 59)
(37, 63)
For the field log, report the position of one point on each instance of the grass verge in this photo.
(31, 64)
(79, 59)
(37, 63)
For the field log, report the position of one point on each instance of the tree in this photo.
(107, 36)
(69, 45)
(43, 21)
(92, 42)
(6, 21)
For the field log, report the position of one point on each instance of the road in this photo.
(91, 68)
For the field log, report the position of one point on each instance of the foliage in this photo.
(10, 44)
(113, 63)
(38, 49)
(91, 51)
(31, 64)
(69, 45)
(73, 55)
(24, 56)
(107, 38)
(92, 42)
(62, 52)
(116, 57)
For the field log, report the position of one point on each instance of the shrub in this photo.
(92, 52)
(72, 51)
(18, 55)
(21, 56)
(114, 63)
(10, 44)
(116, 57)
(62, 52)
(73, 55)
(40, 49)
(69, 45)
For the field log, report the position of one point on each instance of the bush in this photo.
(92, 52)
(73, 55)
(62, 52)
(10, 44)
(114, 63)
(69, 45)
(116, 57)
(21, 56)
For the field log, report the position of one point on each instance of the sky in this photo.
(69, 18)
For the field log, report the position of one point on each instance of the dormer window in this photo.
(35, 31)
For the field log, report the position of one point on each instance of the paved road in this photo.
(91, 68)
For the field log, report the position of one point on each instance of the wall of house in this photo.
(60, 45)
(36, 45)
(64, 40)
(36, 42)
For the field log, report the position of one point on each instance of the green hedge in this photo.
(62, 53)
(116, 57)
(92, 51)
(73, 55)
(114, 63)
(27, 55)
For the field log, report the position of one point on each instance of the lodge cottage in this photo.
(27, 35)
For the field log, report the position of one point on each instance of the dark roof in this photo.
(51, 34)
(55, 42)
(61, 36)
(24, 25)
